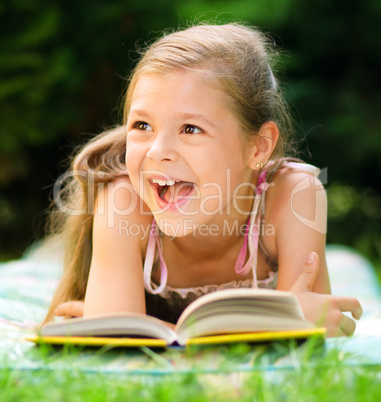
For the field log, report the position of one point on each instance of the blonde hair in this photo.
(100, 161)
(240, 59)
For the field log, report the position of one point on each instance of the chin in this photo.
(175, 228)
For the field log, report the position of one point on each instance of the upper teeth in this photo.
(164, 182)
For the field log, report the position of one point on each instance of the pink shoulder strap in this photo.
(304, 167)
(149, 260)
(252, 234)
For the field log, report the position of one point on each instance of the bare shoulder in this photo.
(122, 198)
(287, 178)
(294, 192)
(121, 213)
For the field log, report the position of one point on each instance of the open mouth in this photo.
(172, 191)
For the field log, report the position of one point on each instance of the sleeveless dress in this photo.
(167, 303)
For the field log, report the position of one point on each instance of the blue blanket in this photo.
(27, 285)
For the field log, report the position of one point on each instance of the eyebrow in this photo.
(180, 116)
(191, 116)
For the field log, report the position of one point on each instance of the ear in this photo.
(264, 145)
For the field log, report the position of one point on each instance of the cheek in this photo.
(224, 165)
(135, 155)
(133, 163)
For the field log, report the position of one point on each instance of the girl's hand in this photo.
(324, 309)
(70, 309)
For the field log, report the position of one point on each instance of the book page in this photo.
(241, 310)
(112, 324)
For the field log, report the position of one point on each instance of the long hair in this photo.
(100, 161)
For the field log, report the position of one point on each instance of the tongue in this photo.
(178, 191)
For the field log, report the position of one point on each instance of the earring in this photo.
(259, 165)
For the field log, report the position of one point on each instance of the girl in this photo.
(193, 193)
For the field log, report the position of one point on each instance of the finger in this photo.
(308, 274)
(347, 325)
(333, 332)
(350, 304)
(72, 308)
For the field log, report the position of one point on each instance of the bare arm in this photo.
(301, 213)
(301, 224)
(116, 273)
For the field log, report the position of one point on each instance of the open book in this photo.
(232, 315)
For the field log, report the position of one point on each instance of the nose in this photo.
(162, 149)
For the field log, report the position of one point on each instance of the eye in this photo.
(191, 129)
(143, 126)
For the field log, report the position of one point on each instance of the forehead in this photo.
(197, 90)
(176, 83)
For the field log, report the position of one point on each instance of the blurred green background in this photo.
(63, 65)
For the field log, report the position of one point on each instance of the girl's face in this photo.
(185, 153)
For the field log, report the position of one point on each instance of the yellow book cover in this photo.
(232, 315)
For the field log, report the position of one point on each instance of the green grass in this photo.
(319, 384)
(312, 378)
